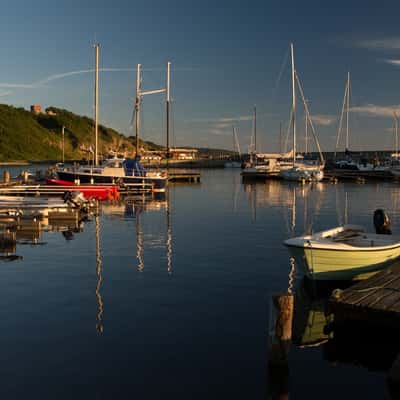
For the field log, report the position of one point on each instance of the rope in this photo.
(291, 275)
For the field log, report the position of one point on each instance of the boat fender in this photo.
(382, 222)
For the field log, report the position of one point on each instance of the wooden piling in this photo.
(6, 176)
(281, 329)
(280, 338)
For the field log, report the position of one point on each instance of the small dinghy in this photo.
(346, 252)
(39, 205)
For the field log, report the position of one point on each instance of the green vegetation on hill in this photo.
(26, 136)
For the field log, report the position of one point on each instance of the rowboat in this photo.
(343, 253)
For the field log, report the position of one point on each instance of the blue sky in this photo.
(226, 56)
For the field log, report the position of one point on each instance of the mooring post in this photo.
(281, 330)
(25, 176)
(280, 337)
(6, 176)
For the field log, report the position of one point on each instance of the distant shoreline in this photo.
(14, 163)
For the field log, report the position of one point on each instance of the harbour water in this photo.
(170, 298)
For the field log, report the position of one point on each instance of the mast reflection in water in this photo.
(136, 208)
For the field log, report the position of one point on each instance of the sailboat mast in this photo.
(396, 126)
(293, 104)
(168, 102)
(347, 110)
(96, 105)
(137, 106)
(306, 118)
(255, 130)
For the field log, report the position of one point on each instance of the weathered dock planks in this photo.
(375, 300)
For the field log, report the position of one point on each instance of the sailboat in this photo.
(301, 171)
(127, 172)
(263, 166)
(348, 163)
(233, 163)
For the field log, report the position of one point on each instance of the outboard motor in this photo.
(382, 222)
(76, 199)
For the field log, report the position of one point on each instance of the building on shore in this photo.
(183, 154)
(50, 111)
(36, 109)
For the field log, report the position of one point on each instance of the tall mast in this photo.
(293, 104)
(347, 110)
(280, 137)
(63, 130)
(306, 118)
(137, 106)
(168, 101)
(396, 126)
(96, 105)
(255, 130)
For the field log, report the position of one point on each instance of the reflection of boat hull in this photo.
(322, 258)
(297, 174)
(155, 184)
(99, 192)
(233, 164)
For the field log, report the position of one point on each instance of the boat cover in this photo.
(134, 168)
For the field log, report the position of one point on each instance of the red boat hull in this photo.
(99, 192)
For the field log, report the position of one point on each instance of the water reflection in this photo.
(135, 207)
(100, 307)
(17, 231)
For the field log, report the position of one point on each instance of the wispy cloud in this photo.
(55, 77)
(376, 111)
(220, 126)
(218, 131)
(225, 120)
(5, 92)
(324, 120)
(392, 43)
(392, 62)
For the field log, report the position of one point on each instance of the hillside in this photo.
(26, 136)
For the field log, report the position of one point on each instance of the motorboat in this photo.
(129, 172)
(343, 253)
(95, 191)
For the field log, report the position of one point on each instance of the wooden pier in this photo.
(184, 176)
(374, 301)
(348, 175)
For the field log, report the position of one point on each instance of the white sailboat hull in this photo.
(302, 173)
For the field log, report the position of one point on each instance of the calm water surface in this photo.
(171, 298)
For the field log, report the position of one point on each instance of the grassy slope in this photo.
(25, 136)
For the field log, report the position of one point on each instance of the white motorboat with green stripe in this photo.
(344, 253)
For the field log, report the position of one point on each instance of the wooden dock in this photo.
(184, 176)
(374, 301)
(348, 175)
